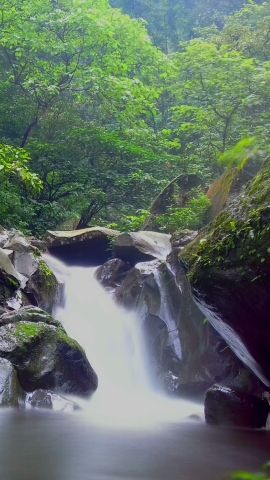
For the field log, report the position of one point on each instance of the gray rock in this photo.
(11, 394)
(149, 244)
(8, 287)
(46, 358)
(229, 271)
(111, 274)
(7, 266)
(28, 314)
(61, 238)
(18, 242)
(25, 263)
(42, 287)
(46, 399)
(231, 406)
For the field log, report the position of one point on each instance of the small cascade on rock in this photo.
(167, 314)
(112, 340)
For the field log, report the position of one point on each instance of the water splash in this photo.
(112, 339)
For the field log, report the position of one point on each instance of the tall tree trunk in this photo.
(28, 132)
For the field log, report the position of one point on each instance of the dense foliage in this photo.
(96, 119)
(172, 21)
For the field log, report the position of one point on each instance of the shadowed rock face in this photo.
(43, 355)
(230, 406)
(185, 354)
(96, 245)
(229, 271)
(11, 394)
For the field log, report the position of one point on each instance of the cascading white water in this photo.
(113, 344)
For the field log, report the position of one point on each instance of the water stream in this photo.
(126, 431)
(112, 339)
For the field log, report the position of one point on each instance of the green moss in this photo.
(37, 253)
(27, 331)
(239, 237)
(47, 274)
(45, 269)
(64, 338)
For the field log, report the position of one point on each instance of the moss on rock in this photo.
(228, 267)
(46, 357)
(240, 236)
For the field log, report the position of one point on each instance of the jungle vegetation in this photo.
(103, 104)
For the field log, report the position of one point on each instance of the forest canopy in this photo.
(102, 105)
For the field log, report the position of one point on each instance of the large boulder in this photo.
(229, 270)
(230, 406)
(28, 313)
(96, 245)
(142, 246)
(184, 352)
(42, 287)
(91, 246)
(44, 356)
(25, 278)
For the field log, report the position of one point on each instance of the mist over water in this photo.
(113, 342)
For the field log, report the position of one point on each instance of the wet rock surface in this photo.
(185, 354)
(25, 278)
(142, 246)
(229, 270)
(111, 274)
(11, 393)
(48, 400)
(45, 357)
(234, 407)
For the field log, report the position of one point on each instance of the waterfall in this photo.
(112, 340)
(167, 315)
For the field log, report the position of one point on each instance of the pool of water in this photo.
(57, 446)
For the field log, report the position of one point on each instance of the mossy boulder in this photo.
(42, 286)
(46, 358)
(228, 267)
(28, 314)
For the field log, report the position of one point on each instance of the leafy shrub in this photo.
(191, 217)
(134, 223)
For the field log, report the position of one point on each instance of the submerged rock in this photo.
(46, 358)
(11, 394)
(230, 406)
(46, 399)
(229, 271)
